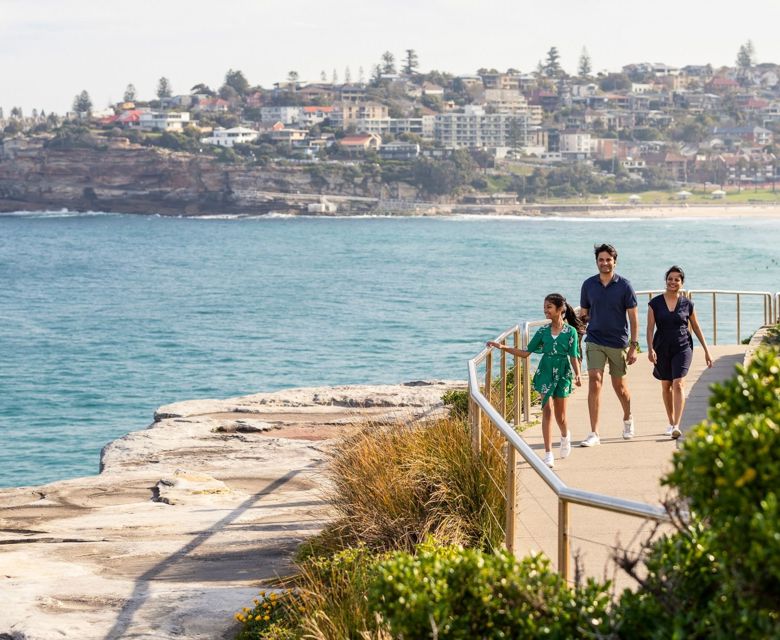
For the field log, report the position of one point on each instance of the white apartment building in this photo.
(163, 120)
(285, 115)
(473, 128)
(229, 137)
(574, 145)
(419, 126)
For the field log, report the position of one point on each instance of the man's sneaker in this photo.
(676, 433)
(549, 460)
(628, 428)
(591, 441)
(565, 446)
(669, 430)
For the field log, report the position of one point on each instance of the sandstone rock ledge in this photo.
(186, 518)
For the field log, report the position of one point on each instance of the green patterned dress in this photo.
(554, 376)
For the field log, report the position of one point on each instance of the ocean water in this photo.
(105, 317)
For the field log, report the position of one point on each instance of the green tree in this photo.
(82, 104)
(388, 63)
(237, 80)
(584, 67)
(130, 93)
(164, 89)
(411, 63)
(204, 89)
(226, 92)
(615, 82)
(292, 78)
(552, 67)
(746, 56)
(347, 76)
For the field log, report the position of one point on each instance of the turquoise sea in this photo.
(105, 317)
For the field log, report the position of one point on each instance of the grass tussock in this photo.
(394, 486)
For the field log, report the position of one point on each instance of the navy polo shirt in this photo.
(608, 324)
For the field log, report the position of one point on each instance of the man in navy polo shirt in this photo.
(608, 305)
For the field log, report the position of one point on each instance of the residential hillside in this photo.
(409, 136)
(130, 178)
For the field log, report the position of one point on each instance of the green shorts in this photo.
(599, 355)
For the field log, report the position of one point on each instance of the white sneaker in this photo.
(565, 449)
(628, 428)
(676, 432)
(591, 441)
(669, 430)
(549, 460)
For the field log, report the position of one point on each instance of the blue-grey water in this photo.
(105, 317)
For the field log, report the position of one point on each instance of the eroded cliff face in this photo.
(132, 179)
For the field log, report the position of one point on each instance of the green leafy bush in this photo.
(451, 592)
(720, 576)
(458, 402)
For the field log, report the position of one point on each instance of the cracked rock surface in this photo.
(186, 519)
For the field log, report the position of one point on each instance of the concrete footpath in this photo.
(629, 469)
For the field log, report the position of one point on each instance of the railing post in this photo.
(739, 325)
(526, 367)
(563, 539)
(503, 383)
(714, 319)
(476, 428)
(488, 386)
(510, 529)
(518, 382)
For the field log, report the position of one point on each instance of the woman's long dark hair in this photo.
(569, 315)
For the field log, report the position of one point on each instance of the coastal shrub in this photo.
(328, 600)
(458, 402)
(719, 576)
(73, 136)
(452, 592)
(391, 486)
(434, 591)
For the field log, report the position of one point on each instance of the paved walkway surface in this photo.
(629, 469)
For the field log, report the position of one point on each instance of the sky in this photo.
(50, 50)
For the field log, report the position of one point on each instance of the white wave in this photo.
(62, 213)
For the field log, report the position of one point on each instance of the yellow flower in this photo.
(266, 617)
(748, 476)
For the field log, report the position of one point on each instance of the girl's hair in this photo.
(675, 269)
(568, 314)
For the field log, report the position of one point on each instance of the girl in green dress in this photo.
(558, 370)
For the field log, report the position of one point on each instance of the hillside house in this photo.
(221, 137)
(361, 143)
(163, 120)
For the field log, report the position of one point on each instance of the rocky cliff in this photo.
(187, 518)
(128, 178)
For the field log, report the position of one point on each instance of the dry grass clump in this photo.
(393, 486)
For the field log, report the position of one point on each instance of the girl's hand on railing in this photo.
(495, 345)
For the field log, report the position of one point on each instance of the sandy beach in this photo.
(619, 211)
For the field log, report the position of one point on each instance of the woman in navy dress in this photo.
(670, 318)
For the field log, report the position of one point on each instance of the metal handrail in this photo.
(480, 404)
(566, 495)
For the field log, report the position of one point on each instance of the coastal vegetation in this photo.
(412, 553)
